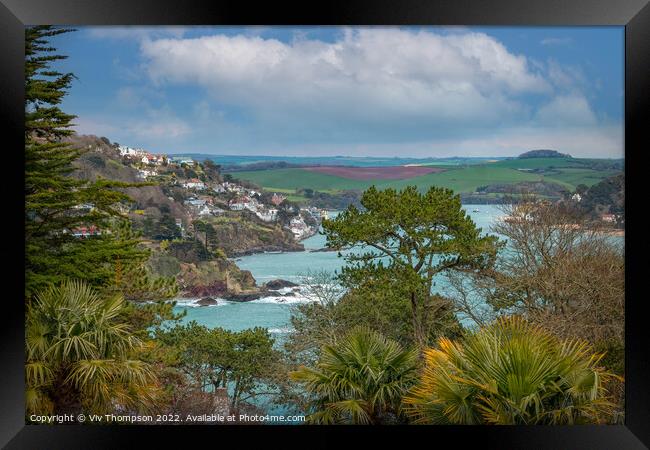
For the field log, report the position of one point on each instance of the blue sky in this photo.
(365, 91)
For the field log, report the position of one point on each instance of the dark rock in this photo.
(275, 285)
(289, 247)
(324, 249)
(217, 289)
(207, 301)
(244, 296)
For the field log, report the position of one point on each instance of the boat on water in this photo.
(476, 210)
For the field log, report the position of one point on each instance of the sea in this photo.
(274, 312)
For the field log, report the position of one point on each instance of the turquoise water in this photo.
(274, 313)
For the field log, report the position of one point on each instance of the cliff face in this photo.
(219, 277)
(196, 261)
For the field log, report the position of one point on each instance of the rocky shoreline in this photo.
(270, 288)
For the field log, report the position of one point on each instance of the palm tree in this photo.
(510, 372)
(79, 354)
(359, 380)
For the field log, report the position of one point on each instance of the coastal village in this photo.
(207, 198)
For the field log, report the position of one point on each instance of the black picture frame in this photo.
(633, 14)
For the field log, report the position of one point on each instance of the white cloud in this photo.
(565, 77)
(369, 76)
(566, 110)
(372, 91)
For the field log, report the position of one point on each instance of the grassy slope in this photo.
(465, 179)
(460, 180)
(573, 177)
(299, 178)
(537, 163)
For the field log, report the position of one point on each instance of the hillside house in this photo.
(219, 189)
(194, 183)
(144, 173)
(130, 152)
(204, 211)
(232, 187)
(610, 218)
(298, 227)
(236, 206)
(276, 199)
(84, 232)
(268, 215)
(85, 207)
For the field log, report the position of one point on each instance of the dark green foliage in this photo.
(544, 154)
(214, 357)
(80, 354)
(608, 196)
(53, 197)
(189, 251)
(360, 380)
(410, 237)
(208, 232)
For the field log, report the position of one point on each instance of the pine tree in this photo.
(54, 201)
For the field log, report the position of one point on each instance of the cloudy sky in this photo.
(368, 91)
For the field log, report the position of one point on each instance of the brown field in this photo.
(375, 173)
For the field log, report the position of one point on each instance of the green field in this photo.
(573, 177)
(564, 171)
(537, 163)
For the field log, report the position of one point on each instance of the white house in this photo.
(85, 206)
(576, 197)
(131, 152)
(240, 204)
(298, 227)
(195, 202)
(205, 211)
(219, 188)
(194, 183)
(268, 215)
(146, 173)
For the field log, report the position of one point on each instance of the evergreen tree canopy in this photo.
(56, 204)
(410, 237)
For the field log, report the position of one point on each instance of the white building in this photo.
(576, 197)
(131, 152)
(268, 215)
(205, 211)
(195, 202)
(194, 183)
(298, 227)
(146, 173)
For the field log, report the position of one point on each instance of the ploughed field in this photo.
(375, 173)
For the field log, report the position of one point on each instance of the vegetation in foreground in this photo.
(387, 347)
(510, 373)
(359, 380)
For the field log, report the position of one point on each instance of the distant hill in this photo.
(544, 154)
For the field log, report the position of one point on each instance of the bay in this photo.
(274, 313)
